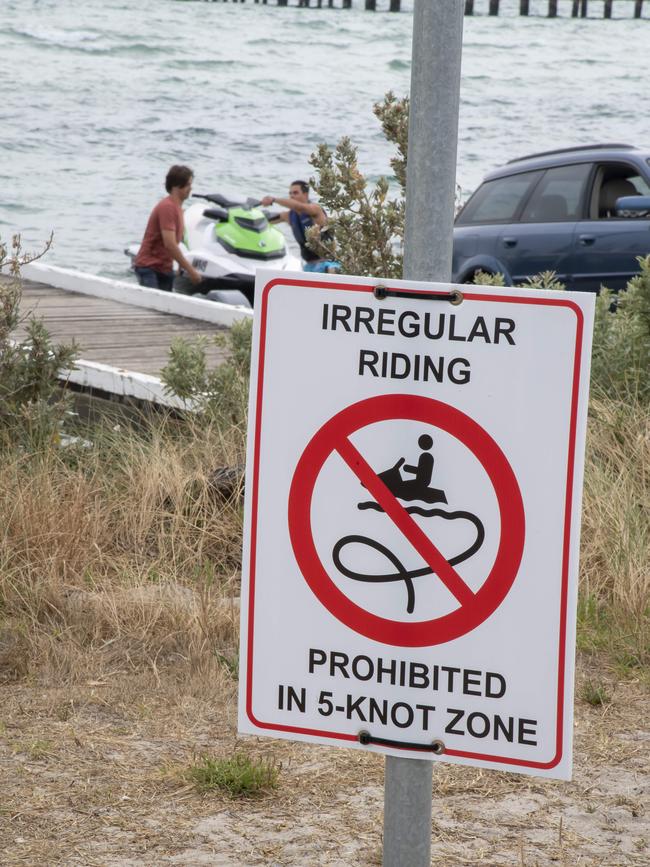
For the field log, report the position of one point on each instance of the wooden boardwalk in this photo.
(111, 332)
(124, 332)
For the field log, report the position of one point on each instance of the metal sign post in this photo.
(430, 193)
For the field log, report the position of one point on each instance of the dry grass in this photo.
(615, 557)
(121, 555)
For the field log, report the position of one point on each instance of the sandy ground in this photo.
(95, 774)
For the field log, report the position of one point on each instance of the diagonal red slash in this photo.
(404, 522)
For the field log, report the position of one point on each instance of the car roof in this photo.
(566, 156)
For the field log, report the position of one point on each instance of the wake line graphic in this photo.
(401, 573)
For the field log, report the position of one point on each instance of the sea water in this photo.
(99, 98)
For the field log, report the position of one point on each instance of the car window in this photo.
(558, 195)
(613, 181)
(498, 201)
(642, 186)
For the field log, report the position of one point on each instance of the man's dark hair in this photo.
(304, 186)
(178, 176)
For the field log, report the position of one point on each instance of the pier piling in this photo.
(576, 9)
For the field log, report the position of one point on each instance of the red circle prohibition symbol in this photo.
(474, 608)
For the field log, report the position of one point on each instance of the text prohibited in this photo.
(412, 512)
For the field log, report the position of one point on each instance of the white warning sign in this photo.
(412, 517)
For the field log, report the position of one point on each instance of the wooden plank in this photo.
(133, 360)
(113, 352)
(113, 333)
(70, 305)
(116, 333)
(54, 311)
(108, 320)
(189, 307)
(122, 337)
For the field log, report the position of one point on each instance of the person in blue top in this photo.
(301, 214)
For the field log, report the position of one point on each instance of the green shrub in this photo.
(366, 224)
(621, 356)
(32, 402)
(238, 776)
(595, 694)
(221, 394)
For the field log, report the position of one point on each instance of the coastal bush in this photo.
(32, 402)
(366, 223)
(621, 355)
(220, 394)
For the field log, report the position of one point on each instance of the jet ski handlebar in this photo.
(223, 202)
(220, 213)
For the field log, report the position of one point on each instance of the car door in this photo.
(542, 239)
(480, 224)
(606, 247)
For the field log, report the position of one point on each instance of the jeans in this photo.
(323, 266)
(155, 279)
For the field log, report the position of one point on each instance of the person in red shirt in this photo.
(159, 249)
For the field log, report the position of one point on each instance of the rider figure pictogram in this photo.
(417, 488)
(408, 490)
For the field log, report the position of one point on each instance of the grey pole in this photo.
(430, 195)
(433, 139)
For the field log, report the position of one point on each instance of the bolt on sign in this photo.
(413, 490)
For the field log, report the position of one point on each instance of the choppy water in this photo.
(99, 98)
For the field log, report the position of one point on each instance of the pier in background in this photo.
(546, 8)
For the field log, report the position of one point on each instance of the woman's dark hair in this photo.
(178, 176)
(304, 186)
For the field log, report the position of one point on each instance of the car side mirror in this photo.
(633, 206)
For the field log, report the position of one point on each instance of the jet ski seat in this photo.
(217, 214)
(218, 199)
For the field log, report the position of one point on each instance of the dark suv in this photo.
(582, 212)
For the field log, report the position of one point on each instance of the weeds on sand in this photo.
(238, 775)
(595, 694)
